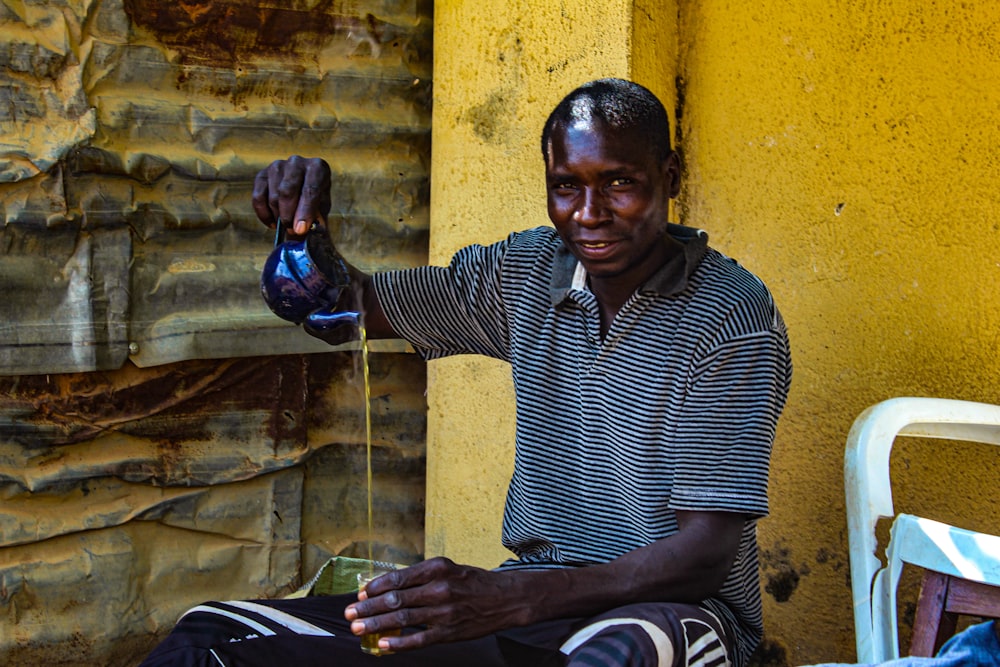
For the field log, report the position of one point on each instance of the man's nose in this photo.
(592, 210)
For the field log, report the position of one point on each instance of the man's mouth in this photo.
(596, 250)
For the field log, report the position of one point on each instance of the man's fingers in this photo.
(261, 205)
(287, 181)
(314, 199)
(415, 640)
(307, 212)
(417, 618)
(295, 191)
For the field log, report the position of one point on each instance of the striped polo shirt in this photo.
(674, 409)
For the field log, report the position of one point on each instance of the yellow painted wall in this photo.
(845, 152)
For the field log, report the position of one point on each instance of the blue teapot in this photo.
(303, 282)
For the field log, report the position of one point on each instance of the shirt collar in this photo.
(669, 279)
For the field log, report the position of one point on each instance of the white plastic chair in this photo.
(921, 542)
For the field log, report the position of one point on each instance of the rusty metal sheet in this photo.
(137, 493)
(152, 453)
(151, 118)
(66, 299)
(133, 494)
(196, 423)
(44, 111)
(235, 540)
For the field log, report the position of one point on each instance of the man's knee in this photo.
(621, 646)
(644, 635)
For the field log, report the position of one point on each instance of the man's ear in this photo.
(672, 174)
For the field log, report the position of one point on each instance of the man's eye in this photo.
(618, 182)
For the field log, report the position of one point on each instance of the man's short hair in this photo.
(620, 105)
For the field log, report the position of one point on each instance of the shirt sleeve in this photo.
(737, 391)
(455, 309)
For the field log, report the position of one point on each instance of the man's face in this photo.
(608, 198)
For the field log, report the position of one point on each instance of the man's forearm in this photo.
(686, 567)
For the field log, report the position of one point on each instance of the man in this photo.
(649, 373)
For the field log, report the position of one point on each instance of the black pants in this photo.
(313, 631)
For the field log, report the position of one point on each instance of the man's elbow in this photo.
(715, 575)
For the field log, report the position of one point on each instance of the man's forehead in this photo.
(620, 150)
(577, 129)
(586, 130)
(564, 136)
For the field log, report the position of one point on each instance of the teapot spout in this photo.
(334, 327)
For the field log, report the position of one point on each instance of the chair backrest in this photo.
(868, 488)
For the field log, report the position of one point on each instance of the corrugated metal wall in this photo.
(131, 133)
(164, 438)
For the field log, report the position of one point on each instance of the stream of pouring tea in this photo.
(368, 437)
(369, 642)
